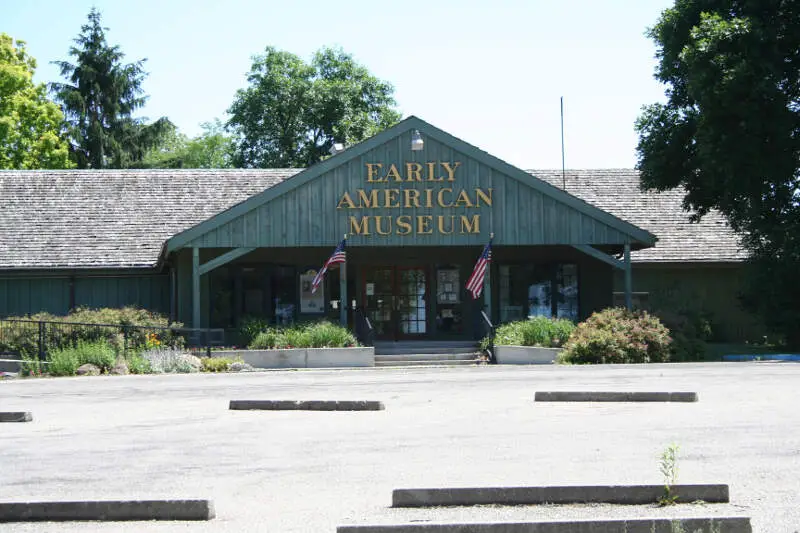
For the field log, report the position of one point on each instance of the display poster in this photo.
(311, 302)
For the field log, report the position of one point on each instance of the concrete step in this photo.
(434, 362)
(10, 365)
(424, 347)
(470, 356)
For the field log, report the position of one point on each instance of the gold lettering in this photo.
(361, 228)
(378, 225)
(412, 195)
(471, 227)
(413, 172)
(428, 198)
(451, 171)
(403, 223)
(346, 199)
(365, 201)
(432, 172)
(441, 225)
(390, 198)
(463, 199)
(423, 224)
(372, 171)
(479, 194)
(441, 195)
(393, 173)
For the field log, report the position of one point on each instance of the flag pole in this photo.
(343, 290)
(487, 286)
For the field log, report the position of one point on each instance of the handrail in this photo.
(490, 334)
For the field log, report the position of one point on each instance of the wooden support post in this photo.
(628, 279)
(195, 287)
(343, 303)
(487, 291)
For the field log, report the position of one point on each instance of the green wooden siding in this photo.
(308, 216)
(30, 295)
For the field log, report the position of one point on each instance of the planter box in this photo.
(525, 355)
(304, 357)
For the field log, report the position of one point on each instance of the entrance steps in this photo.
(427, 353)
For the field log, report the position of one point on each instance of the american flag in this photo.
(338, 256)
(475, 281)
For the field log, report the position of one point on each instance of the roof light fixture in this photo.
(417, 143)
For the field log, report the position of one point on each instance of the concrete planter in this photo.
(525, 355)
(304, 357)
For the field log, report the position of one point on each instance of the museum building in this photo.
(417, 207)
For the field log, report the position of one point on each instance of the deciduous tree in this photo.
(212, 149)
(99, 100)
(292, 112)
(30, 124)
(729, 133)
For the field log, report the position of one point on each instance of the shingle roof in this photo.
(617, 191)
(121, 218)
(111, 218)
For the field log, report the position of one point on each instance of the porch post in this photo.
(343, 303)
(628, 280)
(487, 291)
(195, 287)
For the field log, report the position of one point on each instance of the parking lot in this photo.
(173, 437)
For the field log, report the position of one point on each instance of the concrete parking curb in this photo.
(313, 405)
(20, 416)
(620, 494)
(583, 396)
(640, 525)
(107, 510)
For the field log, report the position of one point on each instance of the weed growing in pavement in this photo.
(668, 465)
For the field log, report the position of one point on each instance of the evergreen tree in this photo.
(99, 99)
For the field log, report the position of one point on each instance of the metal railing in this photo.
(38, 338)
(490, 331)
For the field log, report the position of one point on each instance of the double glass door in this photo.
(396, 301)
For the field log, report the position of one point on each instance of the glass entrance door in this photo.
(396, 301)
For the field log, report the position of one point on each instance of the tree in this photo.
(30, 124)
(729, 134)
(292, 112)
(99, 100)
(212, 149)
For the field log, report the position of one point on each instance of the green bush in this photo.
(618, 336)
(216, 364)
(65, 361)
(536, 331)
(250, 328)
(322, 334)
(691, 331)
(138, 365)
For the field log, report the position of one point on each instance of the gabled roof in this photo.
(111, 218)
(639, 237)
(679, 240)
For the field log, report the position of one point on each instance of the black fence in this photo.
(37, 339)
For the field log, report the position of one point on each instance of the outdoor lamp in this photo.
(416, 141)
(336, 148)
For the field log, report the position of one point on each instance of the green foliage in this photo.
(170, 361)
(138, 364)
(292, 112)
(250, 326)
(536, 331)
(212, 149)
(690, 331)
(729, 135)
(617, 335)
(216, 364)
(65, 362)
(668, 466)
(313, 335)
(99, 100)
(30, 124)
(31, 366)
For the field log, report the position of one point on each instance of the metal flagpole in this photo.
(563, 167)
(487, 286)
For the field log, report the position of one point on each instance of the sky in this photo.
(489, 72)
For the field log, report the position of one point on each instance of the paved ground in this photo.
(173, 437)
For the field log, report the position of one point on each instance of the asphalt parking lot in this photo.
(173, 437)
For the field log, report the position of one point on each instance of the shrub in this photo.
(170, 361)
(618, 336)
(691, 330)
(138, 365)
(536, 331)
(65, 361)
(250, 328)
(322, 334)
(216, 364)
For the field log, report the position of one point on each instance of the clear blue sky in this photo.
(489, 72)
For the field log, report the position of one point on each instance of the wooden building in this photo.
(418, 205)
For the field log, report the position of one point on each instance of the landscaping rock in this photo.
(238, 366)
(88, 370)
(120, 369)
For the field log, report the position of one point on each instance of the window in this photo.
(639, 300)
(549, 290)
